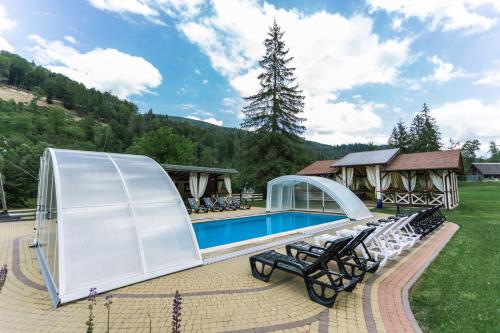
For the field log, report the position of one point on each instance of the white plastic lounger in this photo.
(378, 250)
(401, 235)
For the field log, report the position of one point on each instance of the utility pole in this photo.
(2, 195)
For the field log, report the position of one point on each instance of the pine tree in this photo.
(273, 116)
(424, 132)
(275, 108)
(400, 138)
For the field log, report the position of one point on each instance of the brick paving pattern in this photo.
(221, 297)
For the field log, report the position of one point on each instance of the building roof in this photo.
(318, 168)
(367, 158)
(492, 169)
(198, 169)
(434, 160)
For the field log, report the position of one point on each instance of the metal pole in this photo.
(2, 195)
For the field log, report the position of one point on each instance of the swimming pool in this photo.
(221, 232)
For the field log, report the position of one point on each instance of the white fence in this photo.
(249, 196)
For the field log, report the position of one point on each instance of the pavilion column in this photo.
(445, 192)
(344, 176)
(378, 193)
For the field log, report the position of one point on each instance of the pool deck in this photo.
(220, 297)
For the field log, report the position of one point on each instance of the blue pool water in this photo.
(220, 232)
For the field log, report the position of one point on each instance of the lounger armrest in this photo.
(286, 262)
(309, 253)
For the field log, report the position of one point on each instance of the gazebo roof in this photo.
(434, 160)
(492, 169)
(367, 158)
(198, 169)
(318, 168)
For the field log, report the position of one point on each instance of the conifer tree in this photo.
(275, 147)
(277, 105)
(400, 138)
(424, 132)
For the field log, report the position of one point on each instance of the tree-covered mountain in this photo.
(75, 117)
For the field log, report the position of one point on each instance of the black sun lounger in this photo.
(211, 206)
(195, 207)
(236, 202)
(322, 284)
(347, 257)
(222, 203)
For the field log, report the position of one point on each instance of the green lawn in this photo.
(460, 291)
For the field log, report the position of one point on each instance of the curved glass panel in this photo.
(120, 221)
(314, 194)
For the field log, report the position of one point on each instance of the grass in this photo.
(460, 291)
(258, 203)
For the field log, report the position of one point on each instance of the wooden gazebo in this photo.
(426, 179)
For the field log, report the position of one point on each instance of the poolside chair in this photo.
(347, 256)
(375, 243)
(222, 203)
(323, 285)
(236, 202)
(211, 206)
(195, 207)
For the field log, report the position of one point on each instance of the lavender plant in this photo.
(109, 301)
(92, 302)
(176, 313)
(3, 276)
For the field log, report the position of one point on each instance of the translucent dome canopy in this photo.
(296, 192)
(108, 220)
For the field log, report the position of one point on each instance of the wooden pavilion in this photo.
(416, 179)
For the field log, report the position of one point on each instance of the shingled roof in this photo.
(488, 169)
(434, 160)
(318, 168)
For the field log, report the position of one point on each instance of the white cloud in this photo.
(210, 120)
(6, 25)
(104, 69)
(343, 122)
(204, 81)
(443, 71)
(469, 119)
(70, 39)
(448, 15)
(491, 78)
(150, 9)
(350, 54)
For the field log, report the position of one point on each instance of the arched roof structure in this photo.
(108, 220)
(282, 194)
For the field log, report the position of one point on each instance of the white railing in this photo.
(414, 198)
(249, 196)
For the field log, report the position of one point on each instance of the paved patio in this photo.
(220, 297)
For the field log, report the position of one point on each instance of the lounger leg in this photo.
(319, 294)
(260, 273)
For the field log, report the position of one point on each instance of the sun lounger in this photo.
(323, 285)
(347, 257)
(236, 202)
(195, 207)
(222, 204)
(211, 206)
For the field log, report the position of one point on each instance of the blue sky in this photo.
(362, 64)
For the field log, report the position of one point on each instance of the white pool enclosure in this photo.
(312, 193)
(108, 220)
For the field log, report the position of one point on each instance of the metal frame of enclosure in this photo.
(312, 193)
(108, 220)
